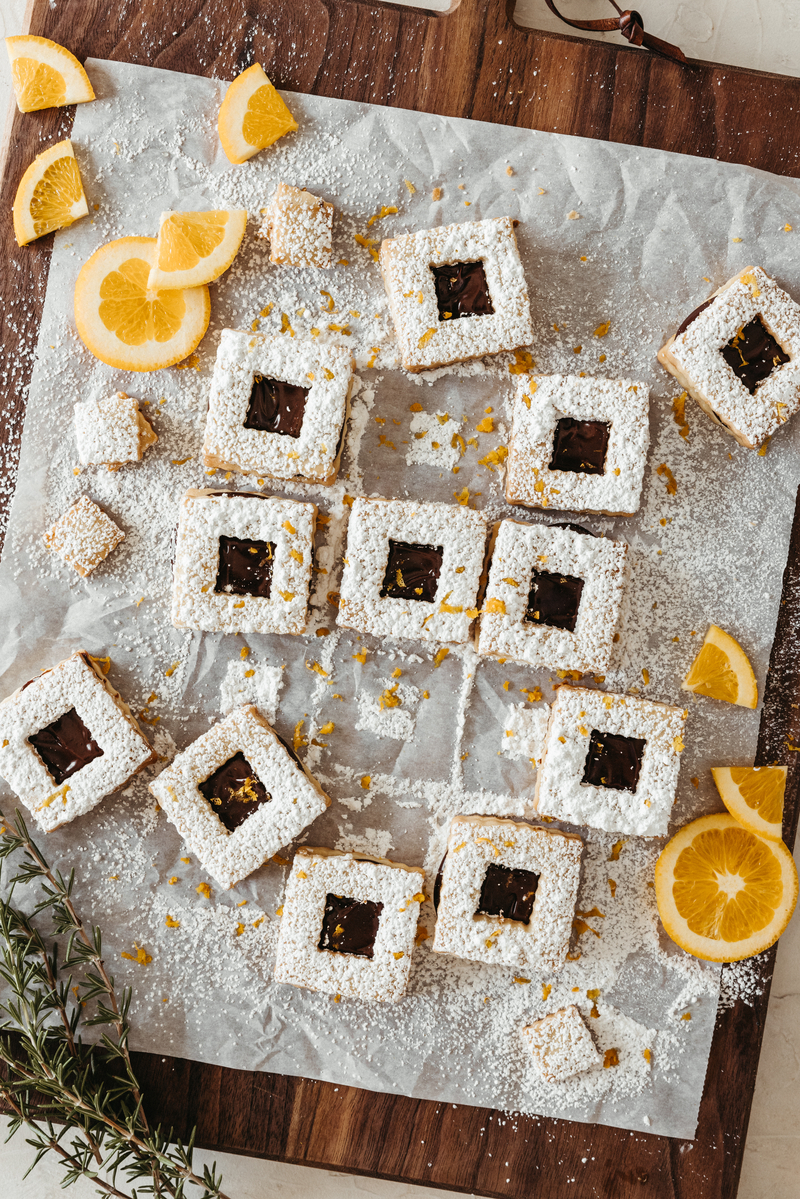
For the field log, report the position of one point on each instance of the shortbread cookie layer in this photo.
(561, 1045)
(278, 407)
(242, 563)
(578, 444)
(456, 292)
(237, 795)
(507, 894)
(83, 536)
(112, 431)
(412, 569)
(553, 597)
(611, 762)
(738, 355)
(68, 739)
(299, 227)
(348, 924)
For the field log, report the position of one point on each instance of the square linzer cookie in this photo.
(242, 563)
(83, 536)
(738, 355)
(112, 431)
(578, 443)
(237, 795)
(561, 1045)
(68, 739)
(553, 597)
(278, 407)
(348, 924)
(456, 292)
(611, 762)
(299, 227)
(412, 569)
(506, 893)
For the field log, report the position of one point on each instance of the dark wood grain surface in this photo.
(475, 63)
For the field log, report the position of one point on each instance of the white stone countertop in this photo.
(763, 35)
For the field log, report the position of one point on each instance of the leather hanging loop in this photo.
(630, 24)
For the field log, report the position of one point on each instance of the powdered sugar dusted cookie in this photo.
(278, 407)
(738, 355)
(83, 536)
(242, 563)
(68, 739)
(412, 570)
(299, 227)
(553, 597)
(611, 761)
(456, 292)
(578, 443)
(237, 795)
(348, 924)
(507, 894)
(561, 1045)
(112, 431)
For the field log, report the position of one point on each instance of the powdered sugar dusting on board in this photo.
(708, 544)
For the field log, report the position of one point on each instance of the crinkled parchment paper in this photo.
(608, 233)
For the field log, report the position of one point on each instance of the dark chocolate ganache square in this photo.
(234, 791)
(613, 761)
(245, 567)
(65, 746)
(461, 290)
(508, 892)
(580, 446)
(276, 407)
(412, 572)
(554, 600)
(350, 926)
(753, 354)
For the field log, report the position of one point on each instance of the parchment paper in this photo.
(608, 233)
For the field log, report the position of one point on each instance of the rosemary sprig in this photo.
(82, 1103)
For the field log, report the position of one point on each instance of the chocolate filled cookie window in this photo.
(235, 791)
(611, 762)
(412, 569)
(67, 739)
(507, 893)
(412, 572)
(553, 596)
(456, 292)
(242, 562)
(578, 443)
(738, 356)
(348, 924)
(461, 290)
(753, 354)
(65, 746)
(245, 567)
(278, 407)
(580, 446)
(237, 795)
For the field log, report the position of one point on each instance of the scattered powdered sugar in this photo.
(708, 543)
(524, 734)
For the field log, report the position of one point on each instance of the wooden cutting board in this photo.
(471, 62)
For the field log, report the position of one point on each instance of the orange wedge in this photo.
(126, 324)
(754, 795)
(722, 670)
(196, 247)
(724, 893)
(50, 194)
(252, 116)
(45, 75)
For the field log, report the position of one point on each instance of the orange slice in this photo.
(722, 670)
(754, 795)
(724, 893)
(50, 194)
(127, 325)
(252, 116)
(196, 247)
(45, 75)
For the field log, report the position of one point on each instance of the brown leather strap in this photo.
(630, 25)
